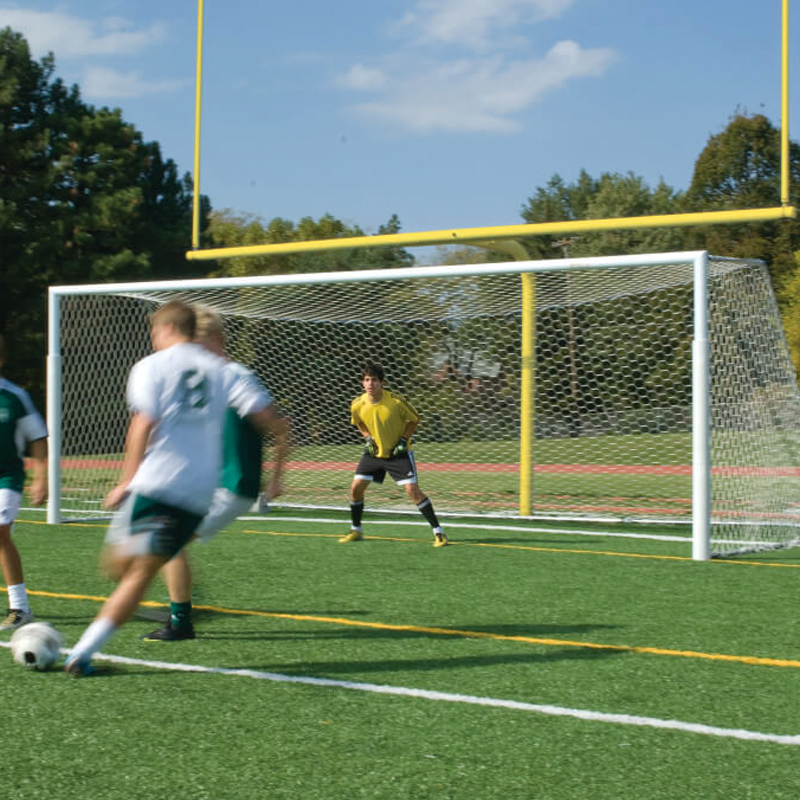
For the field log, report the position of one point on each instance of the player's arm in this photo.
(33, 431)
(410, 428)
(401, 448)
(38, 454)
(268, 421)
(139, 430)
(370, 445)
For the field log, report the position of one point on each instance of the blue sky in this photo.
(448, 113)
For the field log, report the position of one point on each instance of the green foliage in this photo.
(83, 199)
(228, 229)
(739, 168)
(789, 298)
(611, 195)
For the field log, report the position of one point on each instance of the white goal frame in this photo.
(699, 261)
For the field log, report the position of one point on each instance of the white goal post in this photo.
(640, 387)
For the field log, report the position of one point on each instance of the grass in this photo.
(598, 623)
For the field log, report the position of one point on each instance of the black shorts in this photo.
(402, 469)
(143, 526)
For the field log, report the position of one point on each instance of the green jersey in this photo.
(241, 457)
(20, 424)
(242, 444)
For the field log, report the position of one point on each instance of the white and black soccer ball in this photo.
(36, 645)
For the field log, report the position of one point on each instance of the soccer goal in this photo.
(646, 387)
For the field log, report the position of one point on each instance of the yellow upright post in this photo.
(198, 84)
(785, 105)
(527, 410)
(527, 384)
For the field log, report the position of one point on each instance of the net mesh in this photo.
(612, 397)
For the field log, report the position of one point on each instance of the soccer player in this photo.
(21, 427)
(178, 397)
(239, 487)
(387, 422)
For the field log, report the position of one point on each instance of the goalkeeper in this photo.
(387, 423)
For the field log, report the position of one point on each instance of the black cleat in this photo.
(170, 633)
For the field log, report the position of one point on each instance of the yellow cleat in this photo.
(355, 535)
(439, 540)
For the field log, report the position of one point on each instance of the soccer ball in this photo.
(36, 645)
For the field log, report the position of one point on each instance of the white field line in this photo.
(448, 525)
(447, 697)
(475, 526)
(516, 528)
(568, 531)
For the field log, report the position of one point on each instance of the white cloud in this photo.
(479, 94)
(363, 78)
(102, 83)
(472, 23)
(69, 36)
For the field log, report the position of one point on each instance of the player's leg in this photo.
(226, 506)
(358, 489)
(144, 536)
(425, 507)
(19, 610)
(119, 607)
(125, 599)
(177, 574)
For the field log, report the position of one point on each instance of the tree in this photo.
(83, 199)
(790, 312)
(26, 174)
(739, 168)
(610, 195)
(228, 229)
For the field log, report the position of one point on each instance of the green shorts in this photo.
(143, 526)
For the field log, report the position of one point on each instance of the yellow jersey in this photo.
(385, 420)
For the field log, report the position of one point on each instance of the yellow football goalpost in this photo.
(505, 238)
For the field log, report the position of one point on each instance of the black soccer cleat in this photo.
(170, 633)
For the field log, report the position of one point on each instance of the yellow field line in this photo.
(466, 634)
(434, 631)
(573, 551)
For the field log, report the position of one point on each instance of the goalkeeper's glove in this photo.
(401, 448)
(371, 446)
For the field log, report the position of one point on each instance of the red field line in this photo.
(555, 469)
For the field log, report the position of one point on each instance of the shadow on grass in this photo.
(546, 653)
(359, 667)
(483, 633)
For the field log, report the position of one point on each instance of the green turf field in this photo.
(599, 631)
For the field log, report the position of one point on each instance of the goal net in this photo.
(565, 388)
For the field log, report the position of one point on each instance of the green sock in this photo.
(180, 614)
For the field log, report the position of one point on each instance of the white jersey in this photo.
(185, 390)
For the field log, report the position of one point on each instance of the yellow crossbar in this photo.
(477, 235)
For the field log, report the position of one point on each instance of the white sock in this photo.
(437, 530)
(94, 637)
(18, 598)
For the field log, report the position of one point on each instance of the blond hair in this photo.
(178, 314)
(209, 324)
